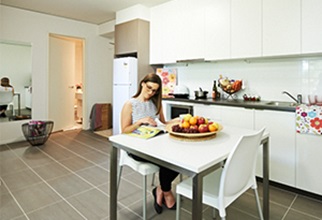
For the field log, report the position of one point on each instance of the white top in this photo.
(142, 109)
(192, 156)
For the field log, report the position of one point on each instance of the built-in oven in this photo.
(174, 110)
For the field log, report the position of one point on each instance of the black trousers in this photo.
(3, 107)
(166, 176)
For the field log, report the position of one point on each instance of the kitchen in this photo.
(267, 77)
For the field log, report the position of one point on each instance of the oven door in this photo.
(174, 110)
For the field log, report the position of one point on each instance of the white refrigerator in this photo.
(125, 80)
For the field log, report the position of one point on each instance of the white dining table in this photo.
(192, 158)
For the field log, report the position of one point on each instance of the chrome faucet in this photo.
(299, 97)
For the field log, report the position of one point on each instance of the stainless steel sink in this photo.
(286, 104)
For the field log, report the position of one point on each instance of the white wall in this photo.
(26, 26)
(266, 78)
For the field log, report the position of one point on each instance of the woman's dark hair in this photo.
(5, 82)
(157, 97)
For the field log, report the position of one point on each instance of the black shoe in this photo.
(3, 115)
(174, 207)
(157, 207)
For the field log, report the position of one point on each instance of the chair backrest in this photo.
(6, 95)
(239, 170)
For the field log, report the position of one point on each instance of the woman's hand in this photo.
(147, 121)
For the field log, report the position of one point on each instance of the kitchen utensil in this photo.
(201, 94)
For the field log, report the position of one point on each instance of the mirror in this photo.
(15, 64)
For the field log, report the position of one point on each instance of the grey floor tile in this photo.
(61, 210)
(35, 197)
(295, 215)
(95, 175)
(277, 195)
(34, 157)
(69, 185)
(307, 205)
(11, 165)
(97, 157)
(76, 163)
(51, 171)
(20, 179)
(9, 208)
(92, 204)
(57, 152)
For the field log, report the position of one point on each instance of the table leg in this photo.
(113, 183)
(266, 179)
(197, 197)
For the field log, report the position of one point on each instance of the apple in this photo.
(203, 128)
(201, 120)
(187, 117)
(194, 127)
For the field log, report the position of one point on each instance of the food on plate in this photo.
(195, 124)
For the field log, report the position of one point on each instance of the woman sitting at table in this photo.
(143, 108)
(5, 82)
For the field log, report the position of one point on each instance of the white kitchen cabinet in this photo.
(281, 127)
(238, 116)
(217, 30)
(163, 33)
(190, 29)
(311, 26)
(208, 111)
(246, 28)
(281, 27)
(309, 163)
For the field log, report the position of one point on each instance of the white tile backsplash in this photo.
(267, 78)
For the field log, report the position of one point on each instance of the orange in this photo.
(193, 120)
(213, 127)
(185, 124)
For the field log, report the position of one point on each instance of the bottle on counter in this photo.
(215, 92)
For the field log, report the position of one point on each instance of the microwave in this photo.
(174, 110)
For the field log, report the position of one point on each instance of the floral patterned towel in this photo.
(169, 80)
(309, 119)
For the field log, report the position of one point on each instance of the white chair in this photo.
(144, 168)
(224, 186)
(6, 97)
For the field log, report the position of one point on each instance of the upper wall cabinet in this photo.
(311, 26)
(163, 33)
(190, 30)
(217, 30)
(177, 31)
(281, 27)
(131, 36)
(246, 28)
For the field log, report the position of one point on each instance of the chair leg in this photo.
(144, 197)
(178, 207)
(119, 173)
(153, 177)
(258, 205)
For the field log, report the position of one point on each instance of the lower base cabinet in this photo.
(281, 126)
(309, 163)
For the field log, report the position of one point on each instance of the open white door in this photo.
(61, 82)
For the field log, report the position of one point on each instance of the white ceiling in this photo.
(91, 11)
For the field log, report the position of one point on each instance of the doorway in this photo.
(65, 81)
